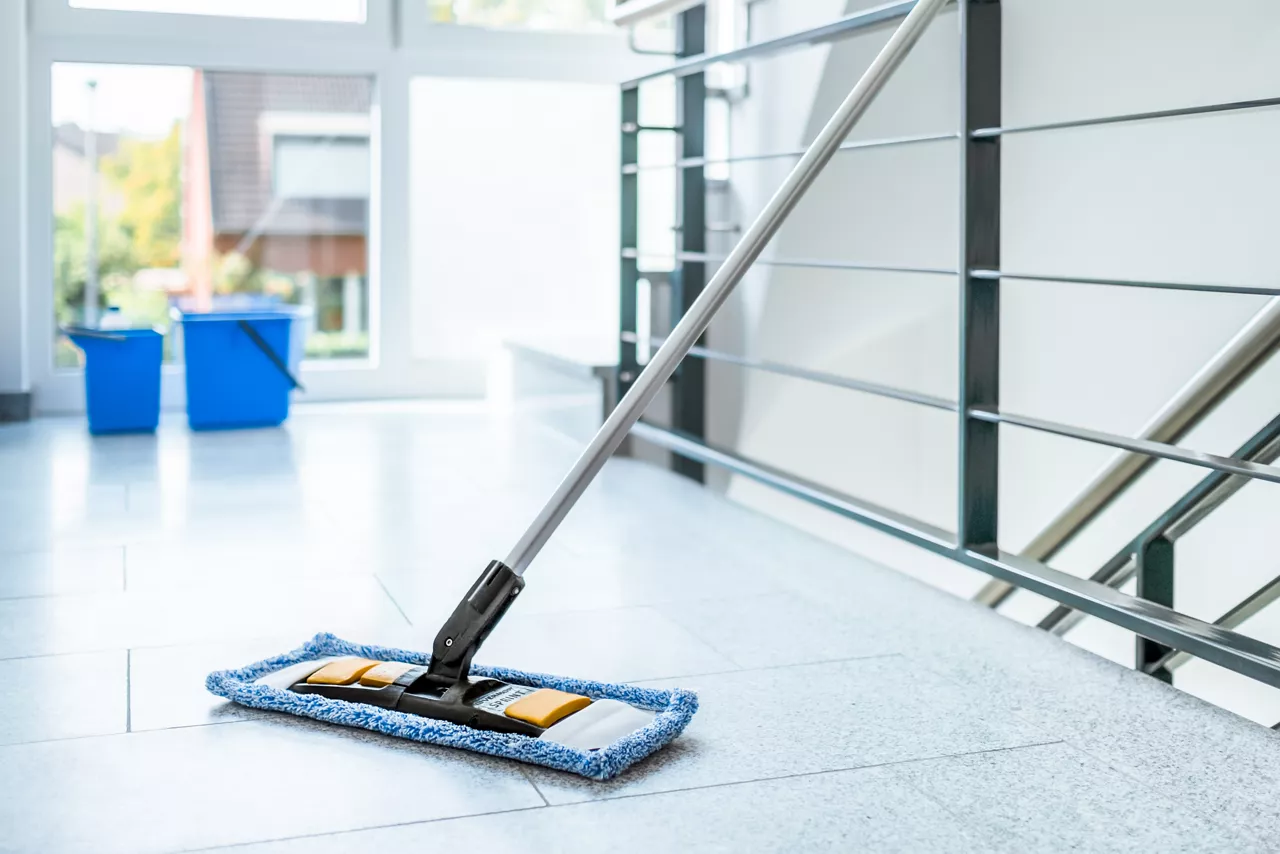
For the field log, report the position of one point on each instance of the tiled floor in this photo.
(844, 707)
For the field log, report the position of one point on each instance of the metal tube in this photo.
(1203, 109)
(1253, 658)
(695, 162)
(699, 316)
(1128, 283)
(1183, 515)
(827, 32)
(1232, 365)
(1252, 605)
(810, 263)
(1159, 450)
(820, 377)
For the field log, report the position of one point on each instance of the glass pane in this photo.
(514, 219)
(207, 190)
(530, 14)
(343, 11)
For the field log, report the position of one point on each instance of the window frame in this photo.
(394, 45)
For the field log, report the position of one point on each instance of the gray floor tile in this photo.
(62, 696)
(357, 608)
(166, 684)
(779, 629)
(1055, 798)
(240, 782)
(758, 724)
(62, 572)
(865, 810)
(625, 645)
(238, 561)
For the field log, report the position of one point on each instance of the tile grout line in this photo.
(602, 800)
(850, 769)
(524, 772)
(353, 830)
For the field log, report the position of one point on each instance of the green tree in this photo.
(115, 259)
(148, 175)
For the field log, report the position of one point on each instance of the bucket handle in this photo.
(271, 355)
(86, 332)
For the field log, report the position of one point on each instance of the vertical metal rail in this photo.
(977, 525)
(689, 391)
(629, 268)
(1155, 584)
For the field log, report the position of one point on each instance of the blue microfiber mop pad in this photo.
(675, 709)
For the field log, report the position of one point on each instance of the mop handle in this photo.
(699, 315)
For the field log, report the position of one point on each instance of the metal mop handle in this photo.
(696, 320)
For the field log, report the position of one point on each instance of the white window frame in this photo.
(395, 44)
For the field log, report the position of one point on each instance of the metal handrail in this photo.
(1229, 367)
(1254, 658)
(820, 377)
(857, 145)
(865, 19)
(975, 541)
(1184, 514)
(699, 315)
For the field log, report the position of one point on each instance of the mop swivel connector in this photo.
(471, 622)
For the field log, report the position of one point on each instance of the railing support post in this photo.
(979, 446)
(629, 268)
(688, 403)
(1155, 584)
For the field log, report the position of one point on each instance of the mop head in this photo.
(673, 709)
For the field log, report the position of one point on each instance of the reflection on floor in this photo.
(844, 707)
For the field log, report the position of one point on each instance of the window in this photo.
(342, 11)
(191, 189)
(530, 14)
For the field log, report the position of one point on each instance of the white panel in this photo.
(319, 169)
(514, 216)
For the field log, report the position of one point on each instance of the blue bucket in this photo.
(238, 371)
(121, 378)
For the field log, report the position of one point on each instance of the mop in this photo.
(594, 729)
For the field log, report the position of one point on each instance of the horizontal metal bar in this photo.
(807, 263)
(1203, 109)
(1230, 465)
(1190, 509)
(1235, 362)
(821, 377)
(635, 127)
(1254, 604)
(1128, 283)
(841, 28)
(1236, 652)
(695, 162)
(882, 519)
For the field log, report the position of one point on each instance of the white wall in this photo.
(1193, 199)
(13, 87)
(514, 213)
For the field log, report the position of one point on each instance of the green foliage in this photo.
(116, 261)
(146, 233)
(148, 174)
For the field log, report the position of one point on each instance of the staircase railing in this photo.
(1167, 637)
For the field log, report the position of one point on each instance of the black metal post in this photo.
(979, 445)
(629, 268)
(1155, 584)
(688, 403)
